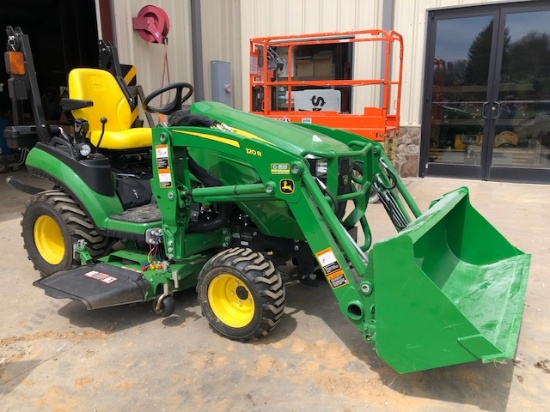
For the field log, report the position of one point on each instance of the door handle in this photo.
(494, 110)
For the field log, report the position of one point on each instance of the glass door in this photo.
(458, 109)
(487, 105)
(521, 149)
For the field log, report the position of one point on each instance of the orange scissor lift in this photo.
(280, 72)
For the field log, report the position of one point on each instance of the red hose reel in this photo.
(152, 24)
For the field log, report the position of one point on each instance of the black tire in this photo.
(166, 307)
(52, 223)
(241, 294)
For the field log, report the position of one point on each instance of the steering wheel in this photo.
(175, 104)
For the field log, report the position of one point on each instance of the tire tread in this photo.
(76, 221)
(262, 276)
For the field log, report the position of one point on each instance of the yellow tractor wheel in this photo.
(241, 294)
(49, 240)
(52, 223)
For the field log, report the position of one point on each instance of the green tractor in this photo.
(238, 206)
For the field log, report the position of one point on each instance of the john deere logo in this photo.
(287, 186)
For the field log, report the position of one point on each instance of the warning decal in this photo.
(338, 280)
(163, 166)
(102, 277)
(165, 179)
(162, 163)
(332, 268)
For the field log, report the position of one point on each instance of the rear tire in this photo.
(52, 223)
(241, 294)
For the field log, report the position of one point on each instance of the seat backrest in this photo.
(100, 87)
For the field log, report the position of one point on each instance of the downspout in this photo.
(387, 14)
(196, 39)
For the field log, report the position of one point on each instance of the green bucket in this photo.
(448, 289)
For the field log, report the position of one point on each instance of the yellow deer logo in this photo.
(287, 186)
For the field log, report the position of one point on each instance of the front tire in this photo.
(52, 223)
(241, 294)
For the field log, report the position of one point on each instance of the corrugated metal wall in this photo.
(148, 57)
(265, 17)
(221, 40)
(227, 26)
(286, 17)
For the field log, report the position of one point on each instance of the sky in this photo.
(454, 36)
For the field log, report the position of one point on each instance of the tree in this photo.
(529, 57)
(479, 55)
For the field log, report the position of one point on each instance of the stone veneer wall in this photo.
(407, 151)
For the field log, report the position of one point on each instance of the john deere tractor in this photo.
(237, 206)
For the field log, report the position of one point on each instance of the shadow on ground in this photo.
(486, 386)
(119, 318)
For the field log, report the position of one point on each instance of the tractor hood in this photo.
(286, 136)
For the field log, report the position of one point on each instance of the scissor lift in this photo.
(289, 72)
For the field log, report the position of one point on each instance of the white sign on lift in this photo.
(317, 100)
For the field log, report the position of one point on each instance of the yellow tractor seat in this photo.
(100, 87)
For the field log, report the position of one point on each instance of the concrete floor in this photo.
(56, 356)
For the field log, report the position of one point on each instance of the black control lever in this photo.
(103, 120)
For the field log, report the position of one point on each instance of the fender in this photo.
(95, 193)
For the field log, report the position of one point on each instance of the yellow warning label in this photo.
(333, 271)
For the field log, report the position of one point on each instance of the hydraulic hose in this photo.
(388, 201)
(327, 192)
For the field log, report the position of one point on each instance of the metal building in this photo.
(475, 97)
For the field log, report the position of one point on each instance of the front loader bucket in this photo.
(448, 289)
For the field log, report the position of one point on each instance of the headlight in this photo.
(84, 149)
(318, 167)
(321, 167)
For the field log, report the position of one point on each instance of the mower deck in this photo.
(98, 286)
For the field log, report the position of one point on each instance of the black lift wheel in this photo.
(164, 306)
